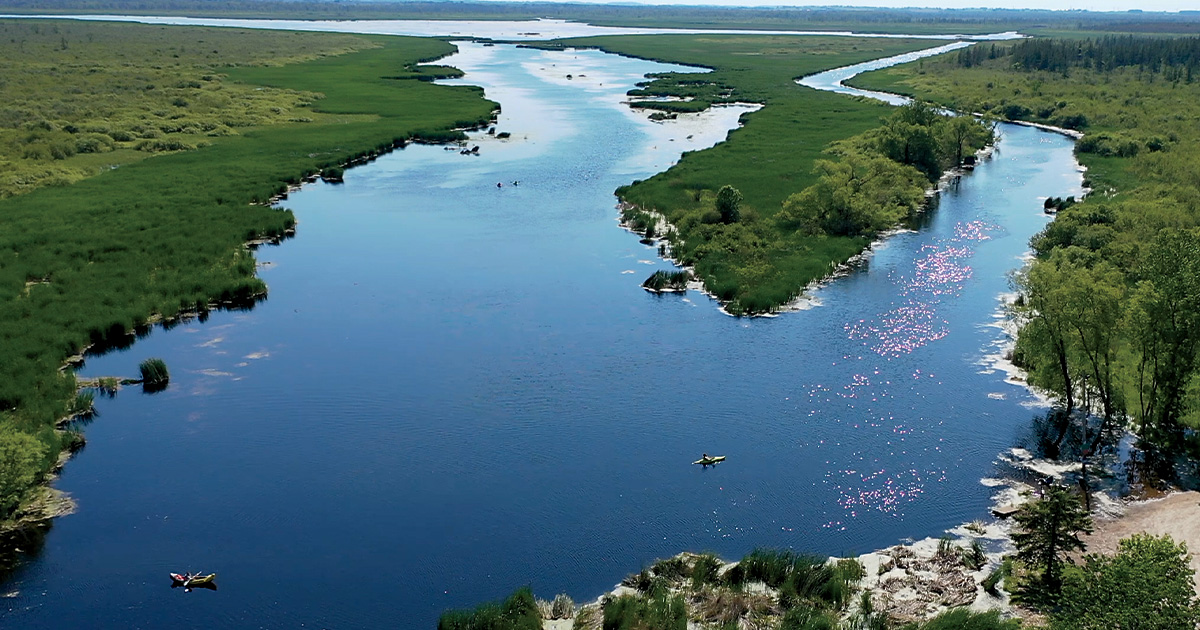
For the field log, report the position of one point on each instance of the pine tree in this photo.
(1048, 529)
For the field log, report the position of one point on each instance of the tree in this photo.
(729, 204)
(1165, 319)
(1045, 330)
(1147, 585)
(911, 136)
(959, 134)
(1094, 298)
(1047, 530)
(855, 197)
(20, 464)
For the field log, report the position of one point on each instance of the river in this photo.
(456, 388)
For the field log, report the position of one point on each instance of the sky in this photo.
(1086, 5)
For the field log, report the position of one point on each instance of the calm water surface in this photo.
(455, 389)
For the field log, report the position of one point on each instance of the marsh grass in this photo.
(705, 570)
(947, 548)
(155, 376)
(164, 236)
(84, 405)
(973, 556)
(108, 386)
(661, 612)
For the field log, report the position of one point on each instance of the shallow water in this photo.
(507, 30)
(456, 388)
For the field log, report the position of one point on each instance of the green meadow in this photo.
(91, 258)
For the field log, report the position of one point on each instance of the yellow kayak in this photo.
(196, 580)
(710, 461)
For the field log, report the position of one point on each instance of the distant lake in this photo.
(457, 388)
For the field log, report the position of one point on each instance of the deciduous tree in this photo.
(1147, 585)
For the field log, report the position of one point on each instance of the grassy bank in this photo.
(1112, 302)
(91, 262)
(765, 589)
(761, 261)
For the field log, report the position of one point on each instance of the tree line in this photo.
(1178, 58)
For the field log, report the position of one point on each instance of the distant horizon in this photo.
(1099, 6)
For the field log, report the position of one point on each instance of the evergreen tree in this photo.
(1047, 530)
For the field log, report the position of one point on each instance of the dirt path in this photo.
(1177, 515)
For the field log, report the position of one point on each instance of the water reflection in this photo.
(468, 383)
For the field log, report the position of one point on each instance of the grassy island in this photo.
(1112, 302)
(762, 256)
(137, 162)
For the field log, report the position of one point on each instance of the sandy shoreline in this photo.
(1176, 515)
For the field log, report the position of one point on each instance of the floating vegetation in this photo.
(664, 281)
(155, 376)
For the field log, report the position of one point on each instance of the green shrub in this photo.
(166, 144)
(20, 465)
(94, 143)
(729, 204)
(674, 568)
(642, 581)
(518, 612)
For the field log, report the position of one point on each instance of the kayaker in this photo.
(704, 457)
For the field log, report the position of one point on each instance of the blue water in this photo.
(455, 389)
